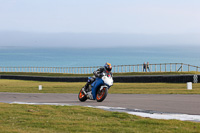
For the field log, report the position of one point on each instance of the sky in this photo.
(95, 23)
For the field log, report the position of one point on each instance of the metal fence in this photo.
(163, 67)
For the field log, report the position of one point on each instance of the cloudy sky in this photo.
(90, 23)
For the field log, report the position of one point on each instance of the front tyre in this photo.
(81, 96)
(101, 94)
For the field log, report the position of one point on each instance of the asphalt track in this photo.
(168, 103)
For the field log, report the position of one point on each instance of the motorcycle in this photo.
(98, 90)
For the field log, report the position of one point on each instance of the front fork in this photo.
(83, 89)
(88, 93)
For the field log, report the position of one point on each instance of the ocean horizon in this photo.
(86, 57)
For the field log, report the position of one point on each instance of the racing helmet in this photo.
(108, 66)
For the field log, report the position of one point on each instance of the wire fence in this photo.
(162, 67)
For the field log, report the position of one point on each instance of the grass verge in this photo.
(22, 86)
(86, 75)
(47, 118)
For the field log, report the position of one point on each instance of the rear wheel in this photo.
(101, 94)
(81, 96)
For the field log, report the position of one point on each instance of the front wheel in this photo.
(101, 94)
(81, 96)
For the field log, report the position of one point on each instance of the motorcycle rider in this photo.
(99, 73)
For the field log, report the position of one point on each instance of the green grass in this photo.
(155, 73)
(46, 118)
(45, 74)
(22, 86)
(63, 119)
(86, 75)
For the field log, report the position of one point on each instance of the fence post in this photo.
(160, 68)
(188, 67)
(150, 68)
(170, 67)
(155, 68)
(118, 69)
(138, 68)
(176, 68)
(181, 67)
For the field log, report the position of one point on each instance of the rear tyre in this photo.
(81, 96)
(101, 95)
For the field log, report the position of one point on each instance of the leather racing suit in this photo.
(98, 73)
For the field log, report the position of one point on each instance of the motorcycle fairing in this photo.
(95, 85)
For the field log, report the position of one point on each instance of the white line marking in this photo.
(138, 112)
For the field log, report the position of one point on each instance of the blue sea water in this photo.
(86, 57)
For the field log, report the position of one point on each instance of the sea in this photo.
(88, 57)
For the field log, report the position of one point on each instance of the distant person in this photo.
(148, 66)
(144, 67)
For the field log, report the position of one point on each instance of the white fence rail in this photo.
(163, 67)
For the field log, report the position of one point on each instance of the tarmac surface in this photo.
(167, 103)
